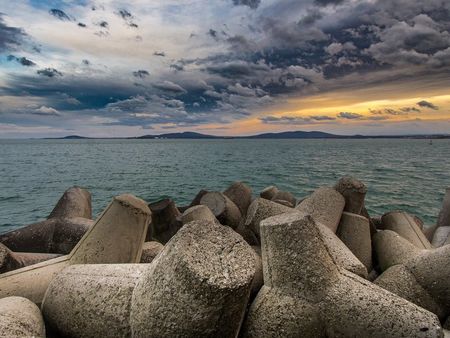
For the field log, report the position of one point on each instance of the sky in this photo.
(226, 67)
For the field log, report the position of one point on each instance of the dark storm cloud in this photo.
(328, 2)
(349, 116)
(169, 86)
(59, 14)
(22, 60)
(212, 33)
(82, 25)
(86, 62)
(162, 54)
(427, 104)
(10, 37)
(49, 72)
(141, 73)
(250, 3)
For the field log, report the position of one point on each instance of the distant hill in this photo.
(282, 135)
(184, 135)
(296, 134)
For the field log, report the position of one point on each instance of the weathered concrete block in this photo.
(392, 249)
(10, 260)
(340, 253)
(283, 202)
(75, 202)
(306, 295)
(325, 205)
(116, 237)
(56, 235)
(354, 192)
(166, 221)
(269, 192)
(423, 270)
(405, 225)
(354, 231)
(441, 236)
(150, 250)
(20, 317)
(92, 300)
(241, 195)
(226, 212)
(399, 280)
(198, 213)
(444, 214)
(285, 196)
(198, 286)
(261, 209)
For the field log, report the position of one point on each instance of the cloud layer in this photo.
(198, 64)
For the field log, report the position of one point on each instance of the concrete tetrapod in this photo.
(354, 192)
(116, 237)
(75, 202)
(150, 250)
(444, 214)
(262, 209)
(441, 236)
(305, 294)
(241, 195)
(325, 205)
(10, 260)
(55, 235)
(20, 317)
(166, 221)
(92, 300)
(420, 276)
(269, 192)
(354, 231)
(198, 213)
(285, 196)
(224, 209)
(198, 285)
(405, 225)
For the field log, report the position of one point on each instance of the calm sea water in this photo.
(400, 174)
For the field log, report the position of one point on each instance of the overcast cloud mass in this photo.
(227, 67)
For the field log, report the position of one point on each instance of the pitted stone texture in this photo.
(75, 202)
(92, 300)
(441, 236)
(392, 249)
(329, 301)
(241, 195)
(405, 225)
(150, 250)
(198, 213)
(116, 237)
(354, 192)
(10, 260)
(354, 231)
(325, 205)
(269, 192)
(261, 209)
(397, 279)
(444, 214)
(197, 286)
(224, 209)
(426, 271)
(20, 317)
(341, 254)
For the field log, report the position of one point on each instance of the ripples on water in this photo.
(400, 174)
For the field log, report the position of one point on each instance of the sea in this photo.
(406, 174)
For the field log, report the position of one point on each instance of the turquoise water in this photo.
(400, 174)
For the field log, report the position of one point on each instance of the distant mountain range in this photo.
(282, 135)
